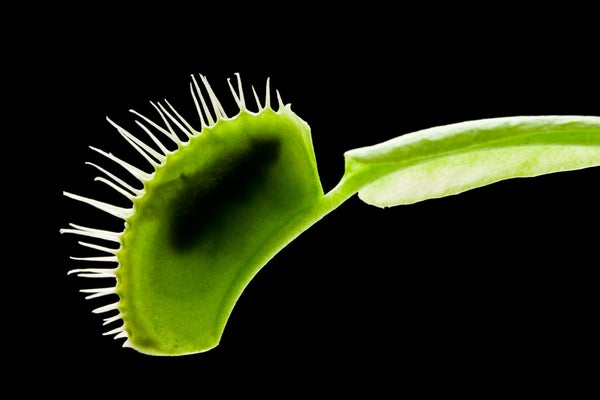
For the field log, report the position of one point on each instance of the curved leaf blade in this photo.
(451, 159)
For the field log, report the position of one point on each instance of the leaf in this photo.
(451, 159)
(210, 218)
(214, 211)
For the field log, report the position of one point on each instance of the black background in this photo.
(484, 292)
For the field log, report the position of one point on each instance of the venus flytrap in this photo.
(211, 213)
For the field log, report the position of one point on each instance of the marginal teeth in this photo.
(268, 94)
(100, 259)
(279, 101)
(217, 107)
(134, 171)
(114, 331)
(168, 133)
(188, 130)
(118, 212)
(106, 308)
(256, 99)
(174, 120)
(157, 142)
(122, 335)
(101, 248)
(92, 232)
(94, 272)
(206, 114)
(145, 151)
(239, 97)
(118, 332)
(165, 120)
(112, 319)
(125, 189)
(98, 292)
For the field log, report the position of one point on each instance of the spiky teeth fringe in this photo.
(210, 112)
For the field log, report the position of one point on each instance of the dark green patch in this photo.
(206, 202)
